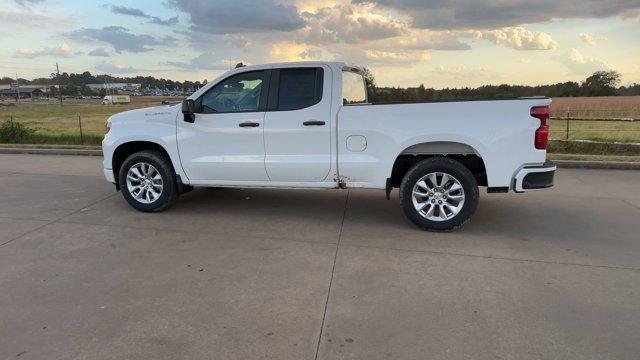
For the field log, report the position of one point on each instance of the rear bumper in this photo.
(535, 177)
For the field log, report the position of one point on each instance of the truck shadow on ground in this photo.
(368, 212)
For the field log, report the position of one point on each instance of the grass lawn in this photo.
(55, 124)
(621, 131)
(59, 124)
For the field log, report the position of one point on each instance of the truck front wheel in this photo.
(147, 181)
(439, 194)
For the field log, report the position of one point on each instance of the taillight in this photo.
(542, 134)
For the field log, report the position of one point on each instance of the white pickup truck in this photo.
(309, 125)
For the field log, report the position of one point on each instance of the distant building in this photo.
(115, 86)
(26, 91)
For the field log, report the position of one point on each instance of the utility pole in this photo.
(59, 85)
(17, 88)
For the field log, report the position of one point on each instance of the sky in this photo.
(438, 43)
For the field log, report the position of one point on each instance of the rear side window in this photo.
(354, 90)
(299, 88)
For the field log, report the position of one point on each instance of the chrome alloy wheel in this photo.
(144, 183)
(438, 196)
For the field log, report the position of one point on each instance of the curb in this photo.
(567, 164)
(586, 164)
(83, 152)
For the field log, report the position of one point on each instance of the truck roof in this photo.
(338, 64)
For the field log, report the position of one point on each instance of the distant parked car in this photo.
(116, 99)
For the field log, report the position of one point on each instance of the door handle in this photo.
(249, 124)
(313, 122)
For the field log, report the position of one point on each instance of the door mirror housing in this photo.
(188, 110)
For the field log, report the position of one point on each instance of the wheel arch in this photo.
(461, 151)
(124, 150)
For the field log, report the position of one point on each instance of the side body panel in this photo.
(156, 125)
(500, 132)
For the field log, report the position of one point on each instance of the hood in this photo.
(162, 112)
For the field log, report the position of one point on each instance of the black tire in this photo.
(163, 166)
(452, 168)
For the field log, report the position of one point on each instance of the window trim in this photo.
(262, 102)
(274, 87)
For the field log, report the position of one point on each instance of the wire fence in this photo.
(596, 124)
(579, 124)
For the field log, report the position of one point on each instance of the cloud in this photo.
(631, 15)
(124, 10)
(464, 14)
(28, 2)
(519, 38)
(62, 50)
(118, 37)
(113, 68)
(205, 61)
(99, 52)
(397, 57)
(351, 24)
(238, 16)
(292, 51)
(16, 17)
(436, 40)
(167, 22)
(581, 65)
(590, 40)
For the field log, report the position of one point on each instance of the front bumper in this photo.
(108, 174)
(535, 177)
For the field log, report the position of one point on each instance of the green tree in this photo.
(70, 90)
(601, 83)
(370, 81)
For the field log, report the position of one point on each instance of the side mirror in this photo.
(188, 109)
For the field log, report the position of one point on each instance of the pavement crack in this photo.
(333, 268)
(435, 252)
(56, 220)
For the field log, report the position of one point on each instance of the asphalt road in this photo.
(298, 274)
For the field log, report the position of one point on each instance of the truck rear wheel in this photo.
(439, 194)
(147, 181)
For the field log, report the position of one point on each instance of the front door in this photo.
(297, 127)
(226, 142)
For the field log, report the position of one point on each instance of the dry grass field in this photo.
(59, 124)
(586, 117)
(599, 107)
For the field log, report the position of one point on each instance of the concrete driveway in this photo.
(248, 274)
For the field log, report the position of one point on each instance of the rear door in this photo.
(297, 125)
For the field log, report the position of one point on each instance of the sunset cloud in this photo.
(62, 50)
(401, 41)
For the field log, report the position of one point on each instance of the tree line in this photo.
(600, 83)
(76, 84)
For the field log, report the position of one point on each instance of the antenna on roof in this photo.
(239, 65)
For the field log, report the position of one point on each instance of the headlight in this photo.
(107, 125)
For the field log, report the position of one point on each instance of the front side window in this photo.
(354, 90)
(299, 88)
(237, 93)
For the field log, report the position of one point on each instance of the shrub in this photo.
(14, 132)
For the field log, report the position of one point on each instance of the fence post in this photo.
(567, 131)
(80, 125)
